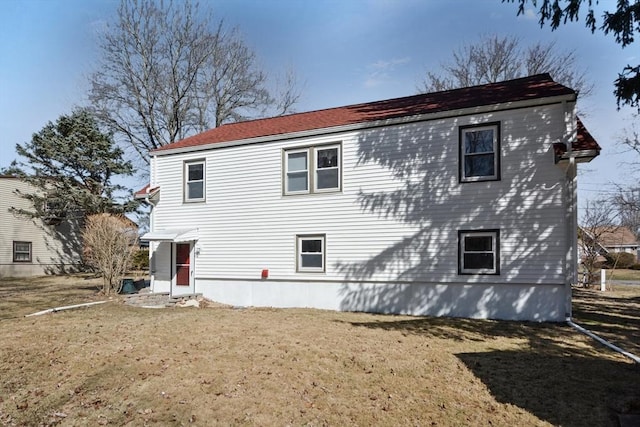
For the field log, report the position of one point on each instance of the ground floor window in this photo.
(310, 253)
(21, 251)
(479, 252)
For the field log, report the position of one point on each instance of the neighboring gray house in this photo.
(456, 203)
(30, 247)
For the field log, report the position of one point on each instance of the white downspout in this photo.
(569, 131)
(572, 234)
(152, 245)
(603, 341)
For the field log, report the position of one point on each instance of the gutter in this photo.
(603, 341)
(67, 307)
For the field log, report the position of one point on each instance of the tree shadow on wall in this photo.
(64, 246)
(423, 194)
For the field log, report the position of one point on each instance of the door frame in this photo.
(174, 289)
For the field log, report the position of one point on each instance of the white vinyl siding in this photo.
(397, 214)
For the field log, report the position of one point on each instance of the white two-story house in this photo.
(457, 203)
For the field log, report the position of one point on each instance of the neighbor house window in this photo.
(311, 253)
(479, 252)
(480, 153)
(194, 181)
(312, 169)
(21, 251)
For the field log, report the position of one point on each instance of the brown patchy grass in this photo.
(22, 296)
(114, 364)
(622, 274)
(614, 314)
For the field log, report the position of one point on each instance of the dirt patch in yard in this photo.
(114, 364)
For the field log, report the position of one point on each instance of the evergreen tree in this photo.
(72, 165)
(621, 20)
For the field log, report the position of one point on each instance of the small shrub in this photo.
(635, 267)
(109, 243)
(620, 260)
(140, 260)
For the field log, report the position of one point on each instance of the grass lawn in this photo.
(113, 364)
(622, 274)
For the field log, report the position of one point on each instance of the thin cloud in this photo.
(529, 14)
(379, 72)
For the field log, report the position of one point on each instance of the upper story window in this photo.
(312, 169)
(194, 181)
(479, 252)
(21, 251)
(480, 153)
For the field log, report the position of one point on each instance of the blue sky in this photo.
(344, 52)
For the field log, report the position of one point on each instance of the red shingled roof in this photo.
(584, 141)
(145, 191)
(527, 88)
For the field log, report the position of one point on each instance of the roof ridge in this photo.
(520, 89)
(416, 95)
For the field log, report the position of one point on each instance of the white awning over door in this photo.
(172, 235)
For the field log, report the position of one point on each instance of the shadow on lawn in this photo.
(557, 389)
(551, 378)
(615, 318)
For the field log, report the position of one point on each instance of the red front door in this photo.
(182, 264)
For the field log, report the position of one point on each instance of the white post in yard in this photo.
(603, 279)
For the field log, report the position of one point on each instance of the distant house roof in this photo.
(523, 89)
(618, 237)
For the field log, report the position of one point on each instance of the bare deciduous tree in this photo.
(597, 221)
(109, 244)
(627, 197)
(167, 73)
(494, 58)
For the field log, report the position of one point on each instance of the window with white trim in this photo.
(21, 251)
(297, 164)
(479, 252)
(310, 253)
(480, 153)
(194, 181)
(312, 169)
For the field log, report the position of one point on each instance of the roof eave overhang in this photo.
(372, 124)
(581, 156)
(149, 193)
